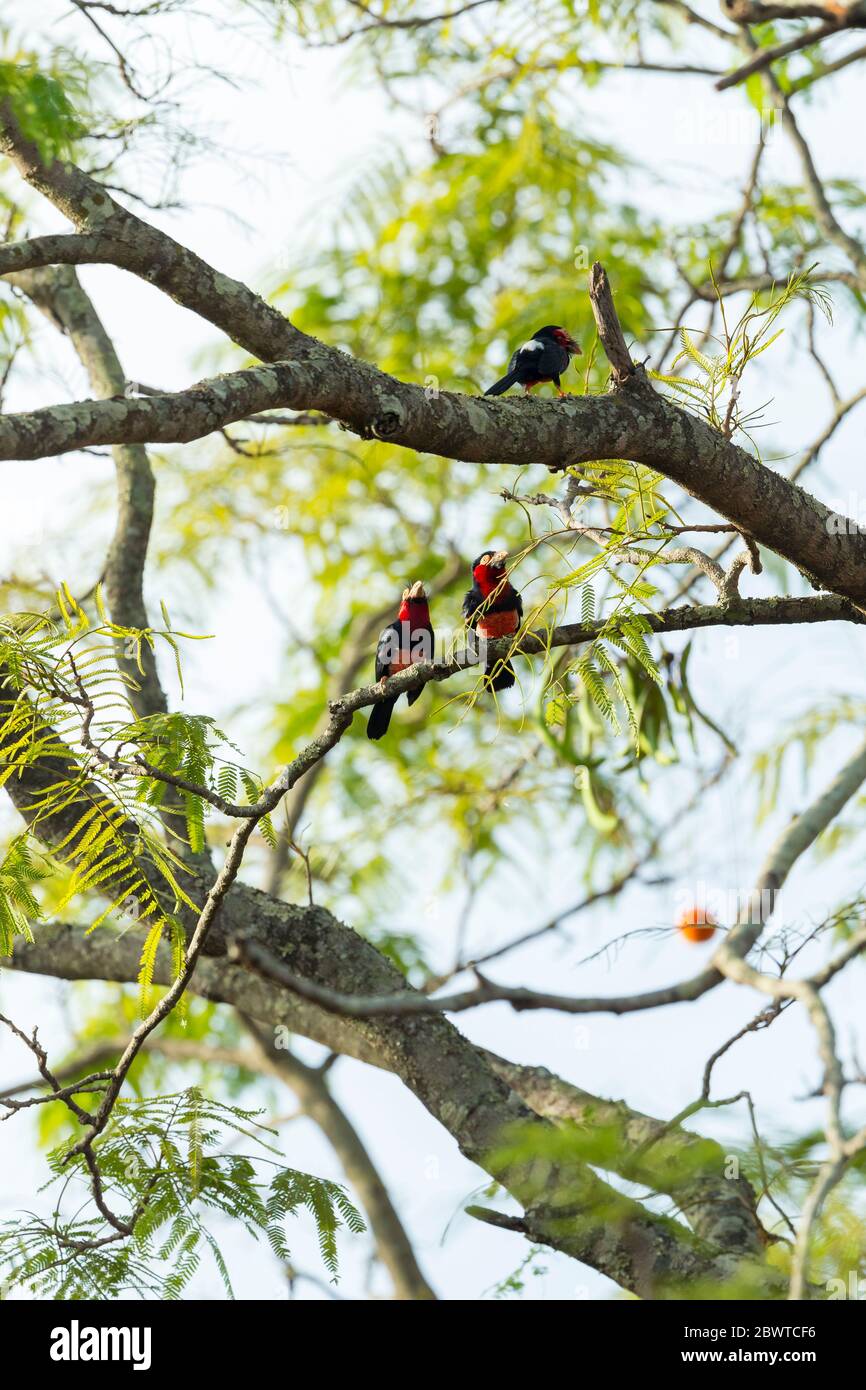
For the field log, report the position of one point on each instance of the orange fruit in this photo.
(696, 924)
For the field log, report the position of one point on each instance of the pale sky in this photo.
(298, 132)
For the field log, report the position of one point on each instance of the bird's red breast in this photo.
(493, 625)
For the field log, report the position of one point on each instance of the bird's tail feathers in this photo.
(501, 386)
(504, 677)
(380, 718)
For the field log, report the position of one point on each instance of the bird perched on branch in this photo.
(407, 640)
(494, 608)
(543, 358)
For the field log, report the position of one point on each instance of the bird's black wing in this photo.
(389, 643)
(525, 365)
(553, 361)
(421, 651)
(511, 376)
(472, 601)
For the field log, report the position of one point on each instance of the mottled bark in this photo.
(565, 1206)
(634, 422)
(689, 1168)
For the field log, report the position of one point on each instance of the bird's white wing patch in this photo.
(532, 346)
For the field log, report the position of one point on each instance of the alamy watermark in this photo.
(847, 519)
(403, 644)
(725, 903)
(77, 1343)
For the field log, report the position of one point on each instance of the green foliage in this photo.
(171, 1161)
(18, 906)
(43, 103)
(434, 266)
(513, 1285)
(714, 390)
(60, 684)
(101, 1012)
(64, 699)
(595, 667)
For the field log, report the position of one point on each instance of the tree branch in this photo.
(689, 1168)
(609, 328)
(754, 914)
(434, 1063)
(634, 422)
(765, 56)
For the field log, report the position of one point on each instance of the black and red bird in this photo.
(407, 640)
(494, 608)
(543, 358)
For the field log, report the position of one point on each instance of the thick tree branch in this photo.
(689, 1168)
(566, 1207)
(771, 54)
(634, 423)
(64, 951)
(637, 424)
